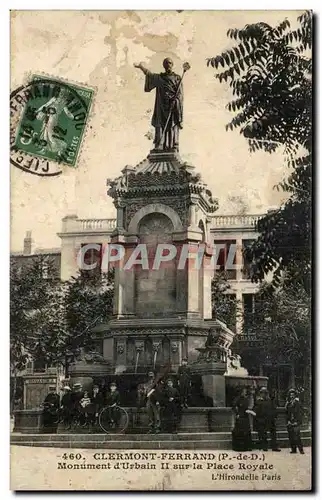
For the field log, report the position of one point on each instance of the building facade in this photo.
(227, 232)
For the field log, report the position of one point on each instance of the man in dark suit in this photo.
(66, 406)
(266, 414)
(294, 421)
(76, 397)
(184, 379)
(153, 396)
(51, 407)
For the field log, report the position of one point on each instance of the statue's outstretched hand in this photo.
(141, 67)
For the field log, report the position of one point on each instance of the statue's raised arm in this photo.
(141, 67)
(168, 109)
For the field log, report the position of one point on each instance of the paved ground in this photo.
(67, 469)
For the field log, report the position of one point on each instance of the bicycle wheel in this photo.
(113, 419)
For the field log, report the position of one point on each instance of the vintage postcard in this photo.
(160, 270)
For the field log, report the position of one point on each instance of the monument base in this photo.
(28, 421)
(213, 380)
(36, 387)
(84, 373)
(138, 345)
(193, 421)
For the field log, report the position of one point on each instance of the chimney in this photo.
(27, 244)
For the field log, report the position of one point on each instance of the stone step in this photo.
(119, 437)
(218, 440)
(138, 437)
(146, 445)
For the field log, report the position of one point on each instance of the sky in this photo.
(99, 48)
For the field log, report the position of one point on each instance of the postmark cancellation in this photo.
(49, 117)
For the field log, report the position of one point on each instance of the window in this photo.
(223, 250)
(92, 256)
(248, 312)
(247, 264)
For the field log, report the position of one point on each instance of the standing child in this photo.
(113, 401)
(85, 403)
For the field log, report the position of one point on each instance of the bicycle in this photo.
(113, 419)
(74, 420)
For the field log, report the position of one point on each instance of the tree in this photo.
(31, 284)
(225, 306)
(52, 320)
(269, 70)
(283, 319)
(75, 307)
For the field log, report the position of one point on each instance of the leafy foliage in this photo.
(52, 320)
(270, 78)
(225, 306)
(74, 309)
(31, 284)
(284, 321)
(269, 70)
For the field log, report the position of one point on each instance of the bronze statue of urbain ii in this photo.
(168, 108)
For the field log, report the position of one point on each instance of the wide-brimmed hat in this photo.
(292, 391)
(67, 388)
(263, 389)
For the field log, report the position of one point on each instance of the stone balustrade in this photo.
(97, 224)
(72, 224)
(228, 221)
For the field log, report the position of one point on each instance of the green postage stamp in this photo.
(54, 119)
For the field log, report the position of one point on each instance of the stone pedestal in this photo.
(194, 420)
(83, 373)
(213, 381)
(36, 388)
(220, 419)
(28, 421)
(214, 387)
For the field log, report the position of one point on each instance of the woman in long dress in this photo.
(241, 434)
(50, 114)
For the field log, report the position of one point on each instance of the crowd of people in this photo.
(77, 407)
(262, 417)
(162, 400)
(165, 398)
